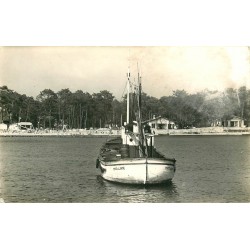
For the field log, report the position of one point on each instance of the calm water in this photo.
(209, 169)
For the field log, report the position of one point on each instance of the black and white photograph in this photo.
(124, 124)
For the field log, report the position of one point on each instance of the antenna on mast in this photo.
(139, 74)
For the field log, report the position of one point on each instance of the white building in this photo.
(3, 127)
(235, 122)
(21, 126)
(160, 125)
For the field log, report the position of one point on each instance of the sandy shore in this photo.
(211, 131)
(222, 133)
(108, 133)
(68, 133)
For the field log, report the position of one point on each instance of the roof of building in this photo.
(156, 118)
(25, 123)
(235, 118)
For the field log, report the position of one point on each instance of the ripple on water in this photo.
(209, 169)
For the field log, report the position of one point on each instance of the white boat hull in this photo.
(138, 170)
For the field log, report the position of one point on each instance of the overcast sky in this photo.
(29, 70)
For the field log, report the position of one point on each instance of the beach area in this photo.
(61, 133)
(105, 132)
(212, 131)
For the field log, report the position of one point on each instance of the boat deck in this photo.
(114, 150)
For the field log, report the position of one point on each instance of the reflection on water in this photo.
(119, 192)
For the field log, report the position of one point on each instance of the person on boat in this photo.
(132, 127)
(147, 128)
(129, 127)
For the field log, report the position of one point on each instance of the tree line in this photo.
(79, 110)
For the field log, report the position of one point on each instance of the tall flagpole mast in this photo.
(128, 90)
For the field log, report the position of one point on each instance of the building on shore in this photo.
(21, 126)
(3, 127)
(234, 122)
(160, 125)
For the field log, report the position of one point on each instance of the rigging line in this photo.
(134, 84)
(124, 91)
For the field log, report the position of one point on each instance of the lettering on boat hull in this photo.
(119, 168)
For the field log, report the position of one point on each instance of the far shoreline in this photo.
(105, 133)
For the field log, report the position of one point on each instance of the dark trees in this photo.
(82, 110)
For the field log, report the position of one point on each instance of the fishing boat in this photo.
(132, 158)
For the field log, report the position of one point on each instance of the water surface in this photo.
(53, 169)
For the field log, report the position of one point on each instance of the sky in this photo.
(29, 70)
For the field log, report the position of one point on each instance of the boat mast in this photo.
(128, 90)
(142, 134)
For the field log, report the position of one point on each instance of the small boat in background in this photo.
(133, 158)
